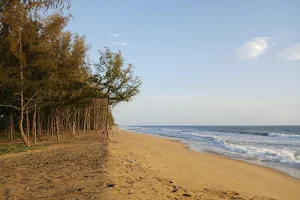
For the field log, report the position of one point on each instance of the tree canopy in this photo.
(46, 82)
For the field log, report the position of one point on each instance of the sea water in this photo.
(277, 147)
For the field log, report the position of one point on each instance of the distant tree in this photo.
(117, 82)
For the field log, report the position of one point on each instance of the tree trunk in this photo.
(27, 124)
(39, 127)
(63, 125)
(24, 138)
(50, 125)
(69, 127)
(34, 124)
(57, 125)
(89, 119)
(103, 121)
(94, 114)
(74, 127)
(74, 121)
(96, 111)
(53, 124)
(78, 121)
(11, 127)
(107, 110)
(85, 122)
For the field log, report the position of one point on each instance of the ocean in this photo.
(277, 147)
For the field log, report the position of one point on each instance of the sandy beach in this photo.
(73, 168)
(148, 167)
(135, 166)
(149, 100)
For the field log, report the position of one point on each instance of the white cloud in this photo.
(113, 34)
(123, 43)
(291, 53)
(253, 48)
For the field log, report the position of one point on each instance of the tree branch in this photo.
(10, 106)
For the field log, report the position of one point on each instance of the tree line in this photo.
(47, 86)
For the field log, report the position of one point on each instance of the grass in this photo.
(7, 148)
(4, 137)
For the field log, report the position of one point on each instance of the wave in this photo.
(270, 134)
(255, 133)
(250, 152)
(279, 149)
(184, 131)
(264, 154)
(283, 135)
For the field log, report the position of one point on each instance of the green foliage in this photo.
(117, 81)
(45, 69)
(8, 148)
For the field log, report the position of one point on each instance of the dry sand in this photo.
(135, 166)
(147, 167)
(73, 168)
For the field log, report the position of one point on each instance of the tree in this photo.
(117, 82)
(18, 32)
(45, 75)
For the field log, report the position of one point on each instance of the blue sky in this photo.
(201, 62)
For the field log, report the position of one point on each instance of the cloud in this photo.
(114, 34)
(123, 43)
(253, 48)
(291, 53)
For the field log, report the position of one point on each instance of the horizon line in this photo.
(206, 125)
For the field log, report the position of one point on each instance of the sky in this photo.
(201, 62)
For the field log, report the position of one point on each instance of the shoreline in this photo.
(199, 173)
(288, 170)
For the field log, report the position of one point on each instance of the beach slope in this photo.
(148, 167)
